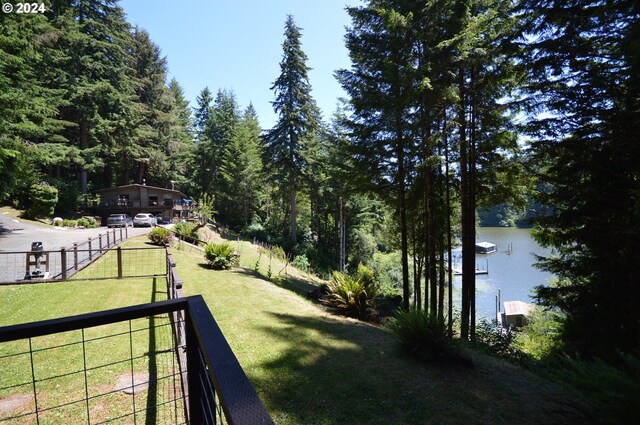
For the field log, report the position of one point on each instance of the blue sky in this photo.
(237, 45)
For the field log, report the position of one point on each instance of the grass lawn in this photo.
(59, 360)
(308, 365)
(312, 367)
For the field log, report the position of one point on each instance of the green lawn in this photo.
(309, 366)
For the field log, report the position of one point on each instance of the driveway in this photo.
(17, 234)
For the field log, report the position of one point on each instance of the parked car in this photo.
(159, 219)
(145, 219)
(119, 220)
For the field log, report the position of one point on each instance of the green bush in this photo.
(426, 338)
(87, 222)
(256, 231)
(221, 256)
(159, 236)
(187, 229)
(43, 200)
(69, 223)
(301, 262)
(278, 252)
(353, 294)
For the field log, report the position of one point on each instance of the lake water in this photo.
(511, 273)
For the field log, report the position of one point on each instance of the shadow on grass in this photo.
(337, 372)
(293, 284)
(327, 371)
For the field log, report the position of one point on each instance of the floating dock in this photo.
(485, 248)
(458, 272)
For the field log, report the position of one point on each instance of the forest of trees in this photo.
(453, 106)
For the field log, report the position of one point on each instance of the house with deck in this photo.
(132, 199)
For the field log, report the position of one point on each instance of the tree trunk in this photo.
(468, 259)
(448, 212)
(84, 144)
(294, 210)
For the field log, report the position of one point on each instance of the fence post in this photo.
(121, 234)
(107, 235)
(90, 253)
(126, 232)
(75, 256)
(119, 263)
(194, 368)
(63, 261)
(100, 242)
(114, 236)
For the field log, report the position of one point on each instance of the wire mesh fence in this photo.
(107, 263)
(119, 373)
(39, 265)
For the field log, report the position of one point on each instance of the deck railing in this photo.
(188, 369)
(218, 389)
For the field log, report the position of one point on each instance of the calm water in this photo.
(513, 274)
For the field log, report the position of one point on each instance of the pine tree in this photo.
(242, 170)
(379, 85)
(284, 145)
(584, 63)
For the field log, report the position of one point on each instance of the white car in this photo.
(144, 219)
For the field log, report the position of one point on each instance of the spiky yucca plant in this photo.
(221, 256)
(353, 294)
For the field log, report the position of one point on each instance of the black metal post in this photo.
(194, 368)
(75, 256)
(63, 261)
(100, 242)
(90, 253)
(119, 262)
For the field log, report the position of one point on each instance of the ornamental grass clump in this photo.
(221, 256)
(353, 294)
(425, 337)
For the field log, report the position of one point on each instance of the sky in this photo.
(237, 45)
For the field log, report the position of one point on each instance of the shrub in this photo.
(278, 252)
(44, 199)
(301, 262)
(87, 222)
(159, 236)
(69, 223)
(221, 256)
(425, 337)
(256, 231)
(187, 229)
(353, 294)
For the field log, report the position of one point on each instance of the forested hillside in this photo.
(453, 106)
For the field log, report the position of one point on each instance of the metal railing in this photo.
(59, 264)
(218, 389)
(170, 359)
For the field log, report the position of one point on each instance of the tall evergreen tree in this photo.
(242, 170)
(584, 60)
(379, 84)
(298, 118)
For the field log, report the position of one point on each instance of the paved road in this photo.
(17, 235)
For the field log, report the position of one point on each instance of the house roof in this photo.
(517, 308)
(128, 186)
